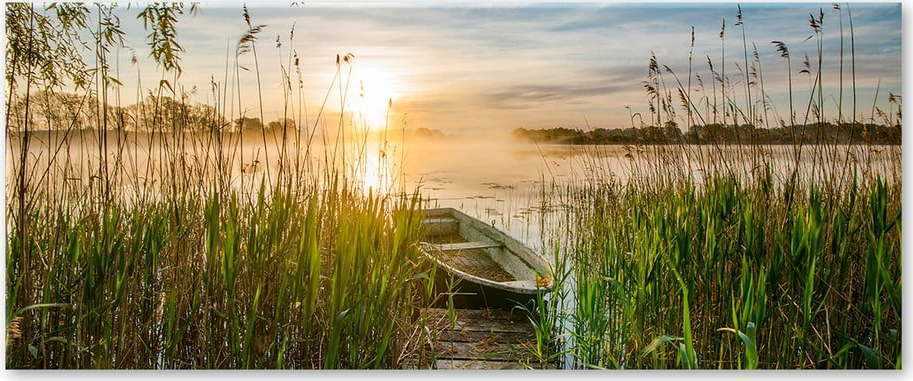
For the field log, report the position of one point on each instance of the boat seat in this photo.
(467, 246)
(440, 221)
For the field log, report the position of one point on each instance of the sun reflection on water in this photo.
(378, 167)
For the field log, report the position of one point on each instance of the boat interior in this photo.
(472, 247)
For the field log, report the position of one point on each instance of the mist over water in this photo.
(499, 181)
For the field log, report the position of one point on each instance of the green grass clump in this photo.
(148, 236)
(294, 279)
(735, 274)
(739, 254)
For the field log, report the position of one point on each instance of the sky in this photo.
(474, 68)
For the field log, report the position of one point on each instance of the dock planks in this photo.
(480, 339)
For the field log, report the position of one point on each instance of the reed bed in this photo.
(295, 279)
(151, 237)
(188, 255)
(721, 256)
(735, 275)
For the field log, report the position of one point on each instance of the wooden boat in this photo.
(493, 268)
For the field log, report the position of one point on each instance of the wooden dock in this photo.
(480, 339)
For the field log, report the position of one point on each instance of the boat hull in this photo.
(466, 294)
(480, 266)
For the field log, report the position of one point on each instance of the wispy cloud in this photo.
(534, 96)
(494, 68)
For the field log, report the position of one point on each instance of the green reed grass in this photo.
(728, 275)
(289, 280)
(173, 265)
(739, 269)
(714, 257)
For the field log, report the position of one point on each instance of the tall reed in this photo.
(749, 260)
(182, 254)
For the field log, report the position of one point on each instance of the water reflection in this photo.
(500, 182)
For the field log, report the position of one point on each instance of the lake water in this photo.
(497, 181)
(504, 183)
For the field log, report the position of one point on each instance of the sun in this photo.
(377, 92)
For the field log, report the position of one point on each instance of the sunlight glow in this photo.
(377, 92)
(377, 166)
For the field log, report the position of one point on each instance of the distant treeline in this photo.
(719, 134)
(62, 111)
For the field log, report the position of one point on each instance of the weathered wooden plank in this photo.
(477, 365)
(460, 246)
(512, 315)
(439, 221)
(500, 337)
(468, 325)
(479, 339)
(481, 350)
(478, 320)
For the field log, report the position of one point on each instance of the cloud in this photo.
(532, 96)
(487, 67)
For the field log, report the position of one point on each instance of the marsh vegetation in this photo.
(172, 234)
(749, 264)
(169, 247)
